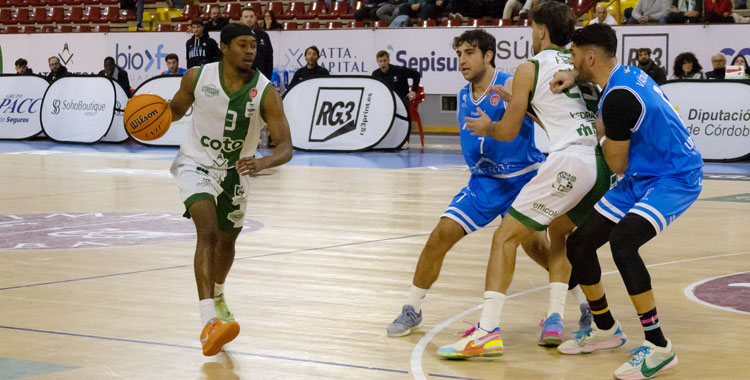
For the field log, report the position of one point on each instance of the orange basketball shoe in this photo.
(475, 342)
(216, 334)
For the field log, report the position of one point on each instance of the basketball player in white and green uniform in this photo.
(564, 191)
(231, 102)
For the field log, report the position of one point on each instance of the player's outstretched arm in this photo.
(273, 113)
(562, 80)
(507, 128)
(184, 97)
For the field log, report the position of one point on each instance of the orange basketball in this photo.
(147, 117)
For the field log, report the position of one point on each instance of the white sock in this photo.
(491, 310)
(218, 289)
(580, 297)
(416, 297)
(207, 310)
(557, 293)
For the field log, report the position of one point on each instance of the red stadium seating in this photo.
(333, 25)
(427, 23)
(48, 29)
(39, 16)
(6, 16)
(450, 23)
(475, 22)
(90, 2)
(315, 9)
(22, 16)
(356, 24)
(93, 14)
(11, 29)
(56, 14)
(83, 28)
(4, 3)
(338, 9)
(54, 3)
(276, 7)
(74, 15)
(64, 29)
(164, 28)
(257, 7)
(232, 11)
(19, 3)
(190, 12)
(127, 15)
(312, 25)
(380, 24)
(111, 14)
(295, 10)
(580, 7)
(110, 2)
(102, 29)
(182, 28)
(28, 29)
(350, 12)
(290, 26)
(37, 3)
(72, 2)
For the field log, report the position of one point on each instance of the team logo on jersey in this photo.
(210, 90)
(336, 112)
(253, 93)
(564, 182)
(495, 99)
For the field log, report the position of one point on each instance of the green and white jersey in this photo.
(225, 126)
(569, 118)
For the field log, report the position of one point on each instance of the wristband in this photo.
(601, 141)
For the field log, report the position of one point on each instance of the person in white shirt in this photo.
(602, 17)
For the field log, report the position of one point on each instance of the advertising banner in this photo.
(71, 115)
(117, 129)
(717, 115)
(20, 102)
(341, 114)
(166, 86)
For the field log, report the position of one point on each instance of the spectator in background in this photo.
(311, 70)
(719, 62)
(431, 9)
(368, 11)
(22, 67)
(215, 21)
(602, 17)
(395, 77)
(740, 60)
(684, 11)
(650, 67)
(649, 11)
(686, 66)
(173, 65)
(269, 18)
(139, 15)
(264, 55)
(718, 11)
(386, 11)
(113, 72)
(56, 70)
(515, 5)
(200, 48)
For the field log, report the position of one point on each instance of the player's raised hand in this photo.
(562, 80)
(480, 126)
(504, 92)
(249, 165)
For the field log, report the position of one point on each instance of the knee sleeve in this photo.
(581, 248)
(632, 232)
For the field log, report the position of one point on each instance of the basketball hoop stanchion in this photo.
(414, 111)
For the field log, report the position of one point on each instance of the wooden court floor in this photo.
(324, 267)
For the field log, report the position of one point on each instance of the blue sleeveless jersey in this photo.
(486, 156)
(660, 145)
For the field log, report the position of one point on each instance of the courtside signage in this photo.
(166, 86)
(117, 129)
(70, 114)
(20, 103)
(340, 113)
(718, 120)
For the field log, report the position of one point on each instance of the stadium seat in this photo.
(312, 25)
(127, 15)
(74, 15)
(501, 22)
(90, 2)
(333, 25)
(6, 16)
(276, 7)
(182, 28)
(290, 26)
(380, 24)
(164, 28)
(110, 2)
(37, 3)
(54, 3)
(4, 3)
(257, 7)
(580, 7)
(22, 16)
(295, 10)
(64, 29)
(48, 29)
(83, 29)
(350, 12)
(338, 8)
(102, 29)
(39, 16)
(111, 14)
(28, 29)
(315, 9)
(190, 12)
(11, 29)
(428, 23)
(93, 14)
(475, 22)
(356, 24)
(56, 14)
(19, 3)
(72, 2)
(414, 110)
(451, 23)
(232, 11)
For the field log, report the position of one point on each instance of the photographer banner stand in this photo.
(69, 114)
(166, 86)
(117, 132)
(345, 114)
(20, 102)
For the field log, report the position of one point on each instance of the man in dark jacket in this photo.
(650, 67)
(215, 22)
(311, 70)
(117, 74)
(719, 62)
(200, 48)
(56, 70)
(264, 56)
(395, 77)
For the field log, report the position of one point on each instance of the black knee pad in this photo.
(626, 238)
(581, 249)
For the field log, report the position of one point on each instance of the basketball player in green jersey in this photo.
(231, 102)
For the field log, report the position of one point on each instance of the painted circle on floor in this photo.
(97, 229)
(728, 292)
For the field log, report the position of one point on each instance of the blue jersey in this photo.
(660, 145)
(486, 156)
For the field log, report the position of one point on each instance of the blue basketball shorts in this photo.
(660, 200)
(484, 198)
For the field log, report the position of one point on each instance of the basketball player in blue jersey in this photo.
(498, 172)
(643, 138)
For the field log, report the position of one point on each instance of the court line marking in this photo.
(418, 351)
(690, 293)
(161, 344)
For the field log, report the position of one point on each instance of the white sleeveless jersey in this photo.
(568, 118)
(225, 126)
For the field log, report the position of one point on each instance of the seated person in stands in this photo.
(215, 22)
(684, 11)
(719, 62)
(22, 68)
(269, 19)
(740, 60)
(645, 63)
(173, 65)
(117, 74)
(311, 70)
(718, 11)
(686, 66)
(649, 11)
(56, 70)
(602, 17)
